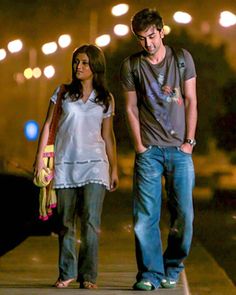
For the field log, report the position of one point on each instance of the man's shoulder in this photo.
(179, 50)
(138, 54)
(133, 60)
(135, 55)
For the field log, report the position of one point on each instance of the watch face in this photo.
(191, 141)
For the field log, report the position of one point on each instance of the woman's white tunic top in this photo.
(80, 154)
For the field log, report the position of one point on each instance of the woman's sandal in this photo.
(89, 285)
(63, 284)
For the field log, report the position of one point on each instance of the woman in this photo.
(85, 163)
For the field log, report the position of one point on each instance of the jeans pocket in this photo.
(145, 152)
(182, 152)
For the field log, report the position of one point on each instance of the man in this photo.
(162, 123)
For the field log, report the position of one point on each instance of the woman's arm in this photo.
(110, 141)
(43, 139)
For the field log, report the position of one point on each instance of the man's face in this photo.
(151, 39)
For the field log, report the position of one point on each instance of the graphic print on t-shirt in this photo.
(159, 96)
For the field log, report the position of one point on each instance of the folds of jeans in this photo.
(86, 201)
(178, 171)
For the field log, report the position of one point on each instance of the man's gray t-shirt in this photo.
(161, 104)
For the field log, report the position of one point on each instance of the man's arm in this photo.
(132, 117)
(190, 112)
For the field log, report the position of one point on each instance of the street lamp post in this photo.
(93, 24)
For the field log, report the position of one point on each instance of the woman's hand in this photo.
(38, 166)
(114, 181)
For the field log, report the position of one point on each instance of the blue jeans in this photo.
(87, 202)
(178, 171)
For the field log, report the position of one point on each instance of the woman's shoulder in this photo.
(59, 90)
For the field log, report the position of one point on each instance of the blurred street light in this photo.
(28, 73)
(3, 54)
(15, 46)
(32, 73)
(49, 48)
(103, 40)
(227, 19)
(121, 30)
(49, 71)
(19, 78)
(182, 17)
(120, 9)
(37, 72)
(166, 29)
(31, 130)
(64, 40)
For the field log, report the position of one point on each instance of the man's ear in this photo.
(162, 33)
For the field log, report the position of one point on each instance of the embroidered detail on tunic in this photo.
(68, 185)
(81, 162)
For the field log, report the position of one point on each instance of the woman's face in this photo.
(81, 67)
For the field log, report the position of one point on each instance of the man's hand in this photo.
(186, 148)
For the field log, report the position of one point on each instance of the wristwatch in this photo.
(190, 141)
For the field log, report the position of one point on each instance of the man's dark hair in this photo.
(146, 18)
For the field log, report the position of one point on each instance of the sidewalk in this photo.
(31, 268)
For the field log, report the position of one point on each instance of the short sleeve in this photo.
(190, 71)
(54, 95)
(126, 76)
(111, 109)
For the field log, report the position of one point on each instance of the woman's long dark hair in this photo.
(97, 65)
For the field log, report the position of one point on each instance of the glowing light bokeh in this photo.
(166, 29)
(182, 17)
(15, 46)
(31, 130)
(103, 40)
(64, 40)
(121, 30)
(36, 73)
(28, 73)
(19, 78)
(49, 71)
(120, 9)
(227, 19)
(3, 54)
(49, 48)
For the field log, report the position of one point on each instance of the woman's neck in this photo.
(87, 88)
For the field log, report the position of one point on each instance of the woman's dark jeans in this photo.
(87, 202)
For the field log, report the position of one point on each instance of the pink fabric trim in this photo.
(48, 154)
(49, 177)
(43, 218)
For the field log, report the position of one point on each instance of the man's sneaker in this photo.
(168, 283)
(143, 286)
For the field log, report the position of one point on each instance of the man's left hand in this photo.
(187, 148)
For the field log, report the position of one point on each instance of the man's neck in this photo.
(158, 57)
